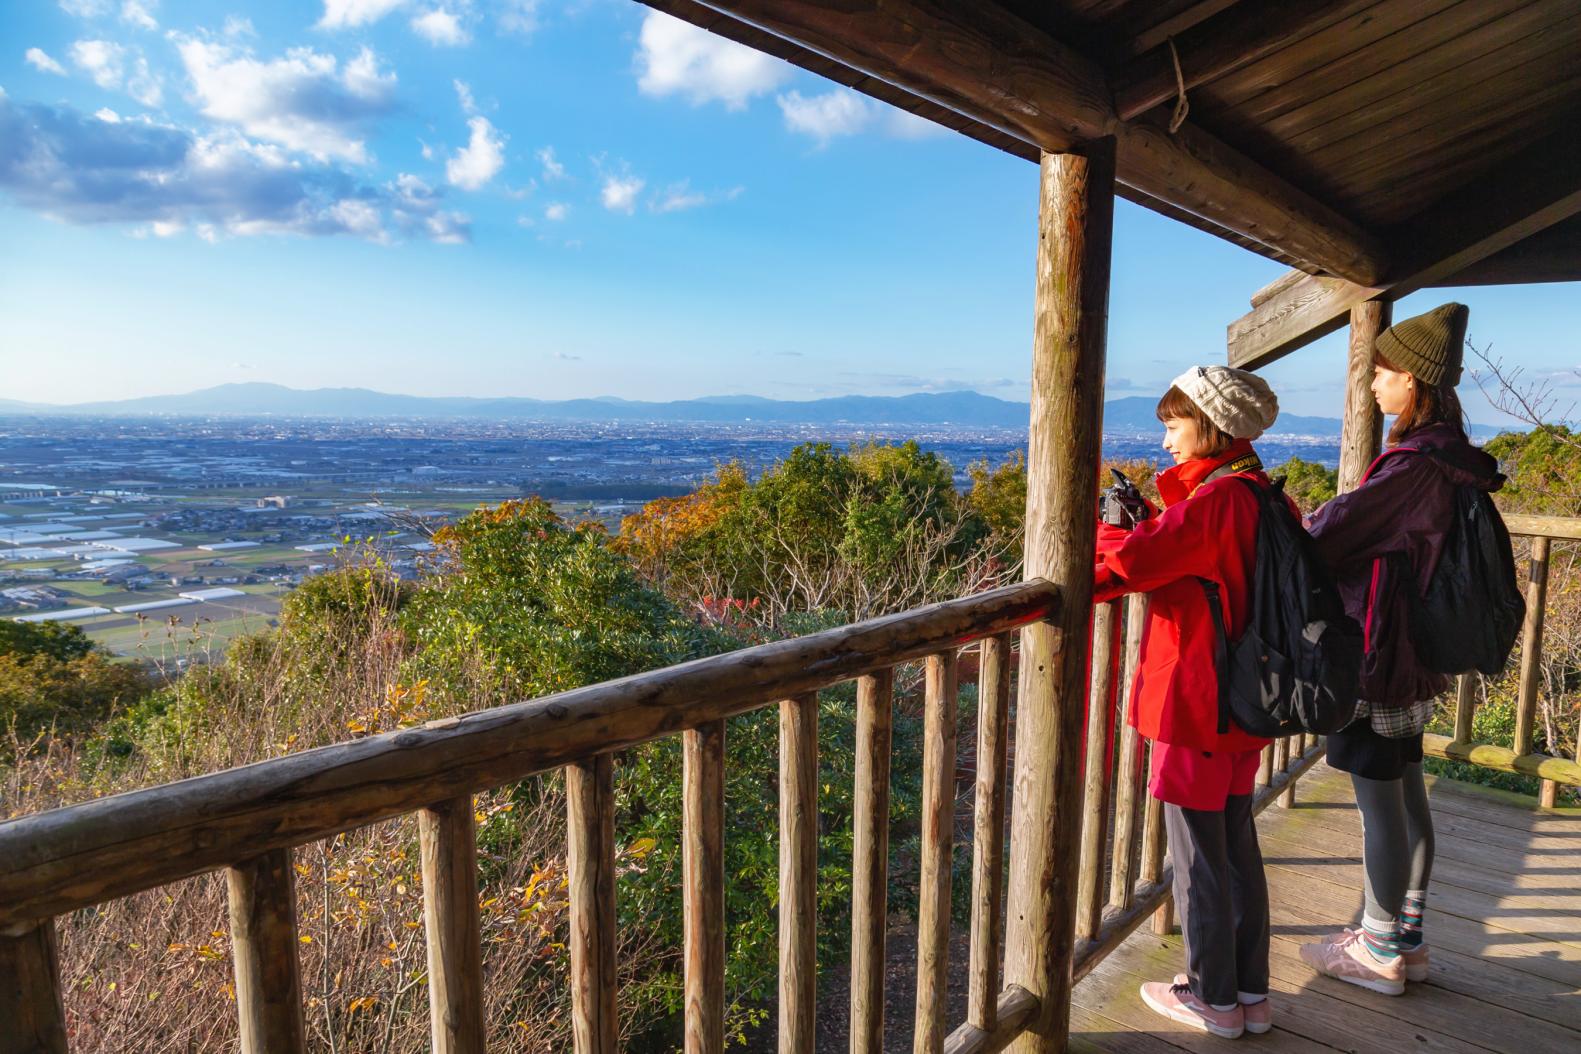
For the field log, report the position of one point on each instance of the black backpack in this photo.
(1473, 609)
(1298, 665)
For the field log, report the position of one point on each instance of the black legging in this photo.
(1397, 839)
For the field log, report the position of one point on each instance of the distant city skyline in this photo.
(554, 200)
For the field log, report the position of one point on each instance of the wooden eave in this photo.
(1327, 134)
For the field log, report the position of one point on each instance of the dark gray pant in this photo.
(1222, 897)
(1397, 839)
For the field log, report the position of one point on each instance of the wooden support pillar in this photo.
(988, 834)
(1532, 656)
(32, 1019)
(1130, 778)
(1075, 229)
(703, 886)
(447, 837)
(870, 859)
(798, 874)
(941, 701)
(1465, 706)
(1096, 789)
(1361, 431)
(590, 807)
(263, 945)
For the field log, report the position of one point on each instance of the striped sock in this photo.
(1411, 917)
(1381, 938)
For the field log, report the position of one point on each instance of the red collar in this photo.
(1178, 483)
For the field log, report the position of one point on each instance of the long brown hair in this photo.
(1429, 404)
(1176, 404)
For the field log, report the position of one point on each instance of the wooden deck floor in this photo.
(1503, 922)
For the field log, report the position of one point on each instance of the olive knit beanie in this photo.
(1429, 347)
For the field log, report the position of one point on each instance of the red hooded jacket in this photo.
(1205, 531)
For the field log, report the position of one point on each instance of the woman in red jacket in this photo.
(1204, 776)
(1383, 540)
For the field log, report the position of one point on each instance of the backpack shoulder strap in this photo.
(1221, 650)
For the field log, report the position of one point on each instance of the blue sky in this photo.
(549, 198)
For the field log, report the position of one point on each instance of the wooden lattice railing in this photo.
(1519, 756)
(248, 820)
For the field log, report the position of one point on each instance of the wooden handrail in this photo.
(1562, 528)
(85, 854)
(1519, 757)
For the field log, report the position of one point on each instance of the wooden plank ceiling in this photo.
(1359, 116)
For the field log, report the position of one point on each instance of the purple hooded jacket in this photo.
(1383, 540)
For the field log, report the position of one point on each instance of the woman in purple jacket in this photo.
(1383, 541)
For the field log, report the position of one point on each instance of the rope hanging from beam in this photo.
(1182, 106)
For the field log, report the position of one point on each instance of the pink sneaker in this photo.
(1176, 1002)
(1259, 1016)
(1415, 963)
(1344, 957)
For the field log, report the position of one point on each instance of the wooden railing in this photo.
(1518, 757)
(248, 820)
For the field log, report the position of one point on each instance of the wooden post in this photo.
(1282, 762)
(1361, 431)
(32, 1019)
(1532, 655)
(447, 840)
(1095, 783)
(1154, 844)
(1265, 768)
(703, 885)
(1465, 706)
(988, 833)
(1075, 229)
(262, 894)
(870, 859)
(798, 874)
(938, 842)
(1130, 779)
(590, 806)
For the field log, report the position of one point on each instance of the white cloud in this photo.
(339, 13)
(678, 197)
(138, 14)
(843, 112)
(85, 8)
(552, 169)
(166, 180)
(837, 113)
(101, 60)
(38, 59)
(303, 101)
(464, 93)
(440, 28)
(480, 160)
(519, 16)
(236, 27)
(620, 193)
(902, 124)
(104, 113)
(556, 211)
(677, 58)
(107, 63)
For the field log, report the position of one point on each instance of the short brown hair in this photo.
(1177, 404)
(1429, 404)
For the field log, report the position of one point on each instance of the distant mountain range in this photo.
(964, 408)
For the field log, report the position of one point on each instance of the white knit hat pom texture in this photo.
(1238, 401)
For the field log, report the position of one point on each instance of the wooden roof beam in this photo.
(1527, 194)
(986, 63)
(1216, 46)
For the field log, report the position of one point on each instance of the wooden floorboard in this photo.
(1503, 924)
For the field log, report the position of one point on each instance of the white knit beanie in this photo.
(1238, 401)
